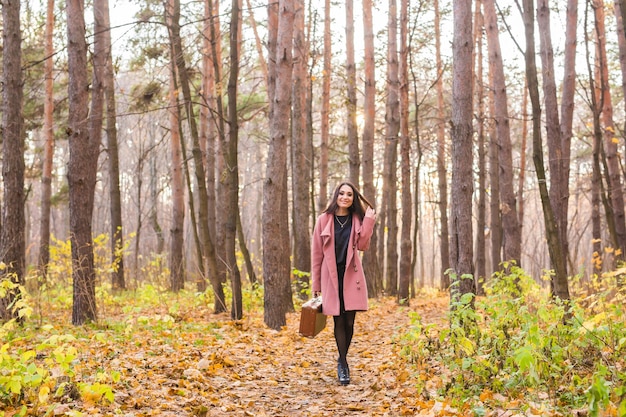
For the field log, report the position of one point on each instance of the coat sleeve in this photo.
(317, 255)
(367, 229)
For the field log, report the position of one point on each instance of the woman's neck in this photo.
(342, 212)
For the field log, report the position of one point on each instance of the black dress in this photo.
(343, 227)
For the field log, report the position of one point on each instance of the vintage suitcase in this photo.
(312, 320)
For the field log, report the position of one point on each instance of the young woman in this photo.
(341, 231)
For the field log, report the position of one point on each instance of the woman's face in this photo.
(345, 197)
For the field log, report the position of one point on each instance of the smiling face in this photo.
(344, 200)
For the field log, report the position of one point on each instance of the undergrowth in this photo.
(518, 349)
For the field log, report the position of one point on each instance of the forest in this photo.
(164, 164)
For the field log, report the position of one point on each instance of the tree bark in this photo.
(12, 232)
(614, 182)
(370, 259)
(232, 165)
(405, 156)
(300, 170)
(461, 251)
(508, 205)
(481, 206)
(103, 30)
(353, 138)
(84, 144)
(444, 244)
(173, 18)
(392, 129)
(559, 283)
(48, 154)
(176, 255)
(325, 112)
(276, 264)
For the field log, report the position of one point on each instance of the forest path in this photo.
(195, 363)
(282, 374)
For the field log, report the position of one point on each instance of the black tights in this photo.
(344, 329)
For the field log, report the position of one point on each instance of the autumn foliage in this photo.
(156, 353)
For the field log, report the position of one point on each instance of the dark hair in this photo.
(357, 202)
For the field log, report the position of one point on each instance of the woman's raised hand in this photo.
(370, 212)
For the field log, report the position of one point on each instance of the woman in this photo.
(343, 229)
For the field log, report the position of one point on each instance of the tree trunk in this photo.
(232, 165)
(173, 18)
(461, 251)
(103, 29)
(300, 171)
(405, 157)
(444, 244)
(614, 182)
(481, 206)
(370, 260)
(560, 287)
(553, 130)
(508, 206)
(48, 154)
(353, 138)
(83, 133)
(276, 264)
(620, 18)
(12, 236)
(392, 129)
(177, 265)
(325, 113)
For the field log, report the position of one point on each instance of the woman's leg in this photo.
(344, 330)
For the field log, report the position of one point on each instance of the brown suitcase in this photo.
(312, 320)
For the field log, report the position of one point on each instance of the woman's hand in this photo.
(316, 294)
(370, 212)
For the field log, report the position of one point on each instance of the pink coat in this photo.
(324, 265)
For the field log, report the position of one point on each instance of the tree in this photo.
(176, 258)
(325, 112)
(173, 20)
(405, 157)
(12, 233)
(353, 138)
(444, 244)
(103, 31)
(370, 259)
(276, 264)
(231, 179)
(48, 112)
(388, 219)
(461, 251)
(508, 205)
(481, 206)
(560, 288)
(84, 145)
(300, 164)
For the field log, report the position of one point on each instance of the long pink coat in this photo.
(324, 265)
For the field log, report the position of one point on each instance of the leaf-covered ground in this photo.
(193, 363)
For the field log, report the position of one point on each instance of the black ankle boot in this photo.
(343, 373)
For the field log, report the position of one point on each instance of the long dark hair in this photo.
(357, 202)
